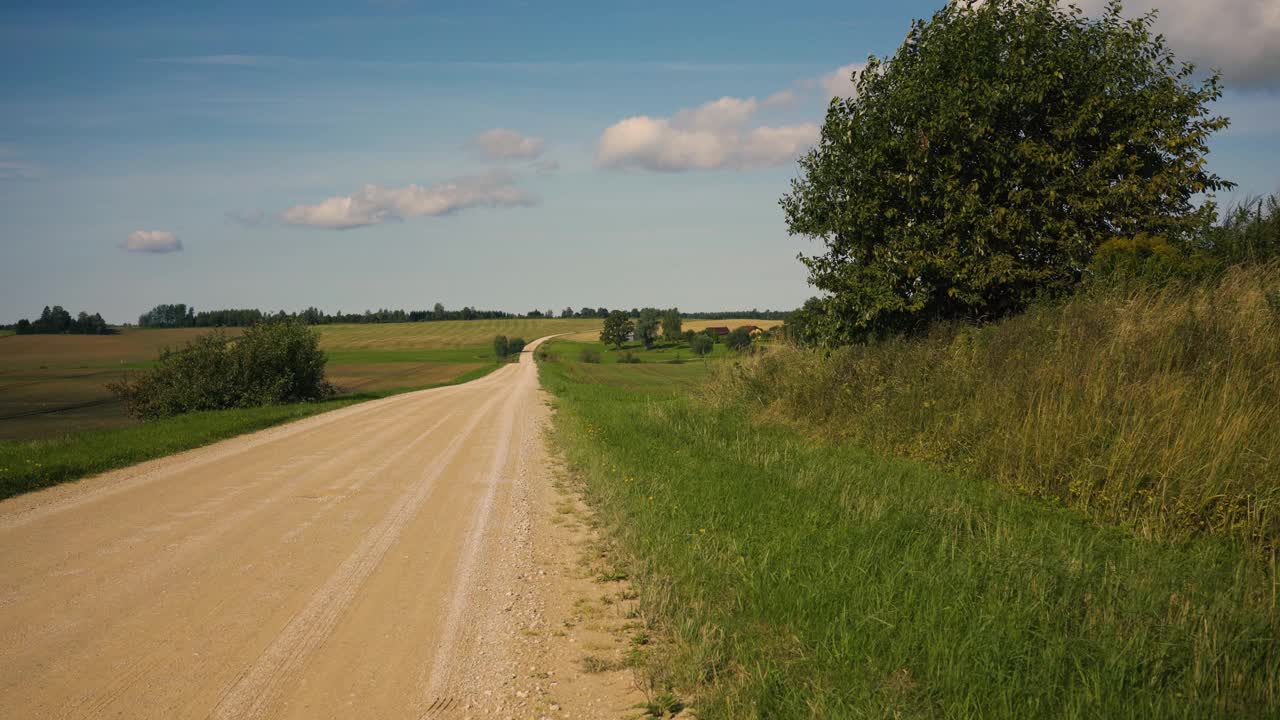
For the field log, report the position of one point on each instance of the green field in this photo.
(54, 384)
(785, 578)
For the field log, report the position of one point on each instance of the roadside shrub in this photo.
(271, 363)
(1149, 405)
(589, 355)
(501, 347)
(1146, 257)
(515, 346)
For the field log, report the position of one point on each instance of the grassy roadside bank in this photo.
(1152, 406)
(793, 579)
(27, 465)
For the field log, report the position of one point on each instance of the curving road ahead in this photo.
(339, 566)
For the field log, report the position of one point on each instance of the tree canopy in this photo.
(646, 327)
(982, 165)
(617, 329)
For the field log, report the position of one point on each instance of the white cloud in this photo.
(152, 241)
(1240, 37)
(375, 204)
(839, 82)
(504, 144)
(782, 98)
(711, 136)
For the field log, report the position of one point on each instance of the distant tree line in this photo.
(57, 321)
(752, 314)
(180, 315)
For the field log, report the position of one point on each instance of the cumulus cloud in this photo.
(375, 204)
(839, 82)
(247, 218)
(504, 144)
(711, 136)
(152, 241)
(1240, 37)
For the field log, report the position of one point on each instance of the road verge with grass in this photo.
(789, 578)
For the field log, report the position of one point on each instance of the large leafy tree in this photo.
(617, 329)
(981, 165)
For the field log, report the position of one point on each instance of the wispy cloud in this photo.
(247, 218)
(505, 144)
(152, 241)
(374, 204)
(14, 168)
(227, 60)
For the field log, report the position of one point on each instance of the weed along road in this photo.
(349, 565)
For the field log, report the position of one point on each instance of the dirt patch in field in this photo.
(387, 376)
(47, 403)
(93, 351)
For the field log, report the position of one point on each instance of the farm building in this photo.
(717, 330)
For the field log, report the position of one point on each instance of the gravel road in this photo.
(356, 564)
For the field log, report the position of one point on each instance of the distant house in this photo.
(719, 330)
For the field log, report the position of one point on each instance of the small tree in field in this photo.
(617, 329)
(671, 325)
(738, 340)
(500, 349)
(982, 165)
(515, 346)
(702, 344)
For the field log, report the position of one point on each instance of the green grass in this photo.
(663, 352)
(27, 465)
(794, 579)
(1154, 407)
(6, 333)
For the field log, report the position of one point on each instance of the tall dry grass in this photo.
(1154, 407)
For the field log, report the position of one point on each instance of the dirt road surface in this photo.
(372, 562)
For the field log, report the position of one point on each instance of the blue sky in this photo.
(335, 154)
